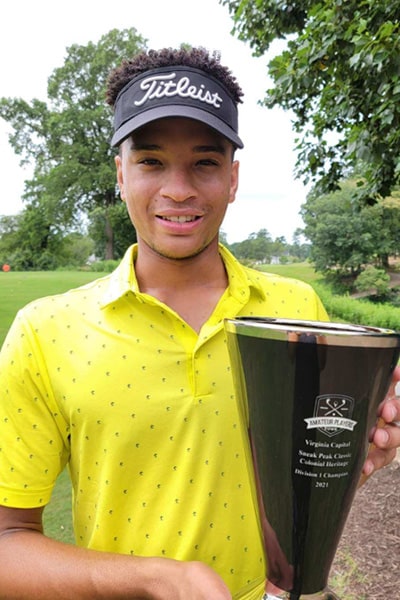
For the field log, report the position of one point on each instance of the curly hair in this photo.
(198, 58)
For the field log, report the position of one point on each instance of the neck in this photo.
(191, 287)
(156, 271)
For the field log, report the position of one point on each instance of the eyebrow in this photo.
(211, 148)
(201, 149)
(143, 146)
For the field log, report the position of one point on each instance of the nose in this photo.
(178, 185)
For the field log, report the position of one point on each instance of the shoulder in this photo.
(270, 281)
(81, 299)
(299, 298)
(286, 297)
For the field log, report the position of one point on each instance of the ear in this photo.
(234, 181)
(120, 177)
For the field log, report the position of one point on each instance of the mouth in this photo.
(180, 218)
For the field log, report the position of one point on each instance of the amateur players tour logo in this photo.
(332, 414)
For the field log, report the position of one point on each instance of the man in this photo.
(127, 380)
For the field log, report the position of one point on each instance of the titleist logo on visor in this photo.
(176, 91)
(160, 86)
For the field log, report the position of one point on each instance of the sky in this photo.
(34, 35)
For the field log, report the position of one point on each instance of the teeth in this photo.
(180, 219)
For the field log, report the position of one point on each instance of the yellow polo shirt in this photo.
(114, 384)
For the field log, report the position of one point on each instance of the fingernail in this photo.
(383, 434)
(368, 468)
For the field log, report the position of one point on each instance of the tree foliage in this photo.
(373, 278)
(103, 219)
(339, 75)
(28, 242)
(259, 247)
(346, 235)
(67, 138)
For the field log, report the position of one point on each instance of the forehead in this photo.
(179, 129)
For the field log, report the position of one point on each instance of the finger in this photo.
(394, 388)
(396, 375)
(390, 410)
(377, 459)
(385, 436)
(382, 450)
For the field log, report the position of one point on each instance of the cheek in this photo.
(228, 193)
(138, 199)
(217, 188)
(135, 191)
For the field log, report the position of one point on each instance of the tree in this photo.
(30, 240)
(257, 247)
(346, 235)
(29, 243)
(68, 138)
(8, 236)
(339, 75)
(76, 249)
(115, 218)
(299, 248)
(279, 246)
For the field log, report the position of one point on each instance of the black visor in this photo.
(175, 92)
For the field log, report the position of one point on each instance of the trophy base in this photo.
(323, 595)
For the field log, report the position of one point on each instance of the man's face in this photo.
(177, 178)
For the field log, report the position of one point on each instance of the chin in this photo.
(180, 254)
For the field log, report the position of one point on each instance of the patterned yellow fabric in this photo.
(115, 384)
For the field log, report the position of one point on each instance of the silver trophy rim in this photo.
(338, 334)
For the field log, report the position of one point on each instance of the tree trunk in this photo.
(385, 261)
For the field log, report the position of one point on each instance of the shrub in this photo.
(359, 312)
(104, 266)
(373, 278)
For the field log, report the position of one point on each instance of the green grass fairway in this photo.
(57, 516)
(16, 290)
(303, 271)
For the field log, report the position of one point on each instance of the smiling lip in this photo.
(179, 218)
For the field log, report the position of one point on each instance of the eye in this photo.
(149, 162)
(207, 162)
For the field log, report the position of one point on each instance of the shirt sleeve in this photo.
(34, 436)
(322, 315)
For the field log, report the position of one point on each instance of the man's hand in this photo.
(385, 438)
(192, 580)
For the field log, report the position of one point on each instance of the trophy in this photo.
(309, 393)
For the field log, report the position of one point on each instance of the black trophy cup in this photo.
(309, 392)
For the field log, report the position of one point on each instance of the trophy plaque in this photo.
(309, 392)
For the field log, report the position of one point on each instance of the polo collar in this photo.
(123, 280)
